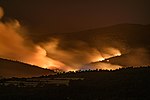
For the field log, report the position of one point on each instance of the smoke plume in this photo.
(107, 48)
(82, 54)
(16, 46)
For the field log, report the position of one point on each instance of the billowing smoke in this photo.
(137, 57)
(106, 48)
(81, 55)
(98, 49)
(16, 46)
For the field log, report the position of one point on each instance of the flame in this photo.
(101, 59)
(71, 69)
(109, 52)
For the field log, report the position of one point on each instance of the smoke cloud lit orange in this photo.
(13, 45)
(76, 58)
(68, 54)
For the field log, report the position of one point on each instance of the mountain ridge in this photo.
(10, 68)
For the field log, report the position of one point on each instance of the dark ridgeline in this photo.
(122, 84)
(9, 68)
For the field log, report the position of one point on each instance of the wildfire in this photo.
(19, 48)
(109, 52)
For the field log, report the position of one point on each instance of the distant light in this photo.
(107, 60)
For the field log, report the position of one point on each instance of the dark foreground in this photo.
(123, 84)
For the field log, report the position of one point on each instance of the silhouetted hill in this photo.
(125, 61)
(97, 74)
(10, 68)
(122, 84)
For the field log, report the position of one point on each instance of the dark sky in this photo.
(55, 16)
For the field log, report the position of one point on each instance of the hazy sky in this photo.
(55, 16)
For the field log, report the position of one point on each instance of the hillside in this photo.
(132, 40)
(122, 84)
(10, 68)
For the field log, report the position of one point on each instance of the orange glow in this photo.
(108, 53)
(107, 66)
(94, 56)
(72, 69)
(15, 46)
(1, 12)
(101, 59)
(102, 65)
(40, 58)
(111, 52)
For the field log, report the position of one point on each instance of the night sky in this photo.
(58, 16)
